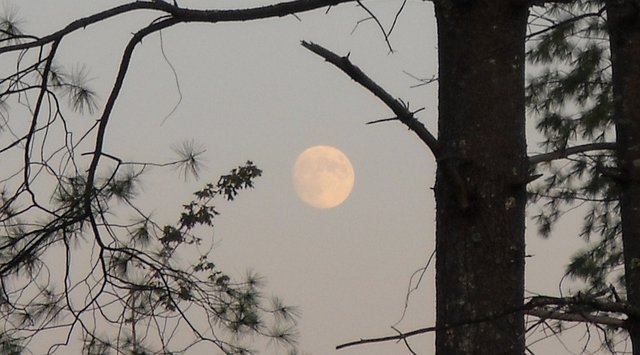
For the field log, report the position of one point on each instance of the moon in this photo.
(323, 176)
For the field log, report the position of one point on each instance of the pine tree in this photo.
(588, 93)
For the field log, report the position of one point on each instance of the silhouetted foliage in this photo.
(79, 259)
(572, 98)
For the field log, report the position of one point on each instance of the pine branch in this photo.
(400, 336)
(577, 317)
(586, 302)
(564, 153)
(544, 2)
(581, 308)
(565, 22)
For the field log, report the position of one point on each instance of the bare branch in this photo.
(397, 106)
(400, 336)
(412, 288)
(561, 154)
(183, 15)
(421, 80)
(397, 16)
(383, 120)
(378, 23)
(115, 91)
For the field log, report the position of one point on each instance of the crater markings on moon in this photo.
(323, 176)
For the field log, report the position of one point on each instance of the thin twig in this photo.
(406, 342)
(397, 16)
(412, 288)
(383, 120)
(422, 81)
(176, 79)
(378, 23)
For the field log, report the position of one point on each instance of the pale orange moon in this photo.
(323, 176)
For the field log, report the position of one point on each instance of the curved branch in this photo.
(561, 154)
(78, 24)
(113, 96)
(182, 15)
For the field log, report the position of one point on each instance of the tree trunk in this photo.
(481, 178)
(624, 29)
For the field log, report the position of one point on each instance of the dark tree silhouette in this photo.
(134, 283)
(624, 29)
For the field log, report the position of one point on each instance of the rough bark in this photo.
(480, 223)
(624, 29)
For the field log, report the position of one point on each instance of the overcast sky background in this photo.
(251, 92)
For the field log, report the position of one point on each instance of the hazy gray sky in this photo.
(250, 91)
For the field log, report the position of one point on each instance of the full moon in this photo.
(323, 176)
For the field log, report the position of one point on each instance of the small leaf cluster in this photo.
(200, 211)
(140, 280)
